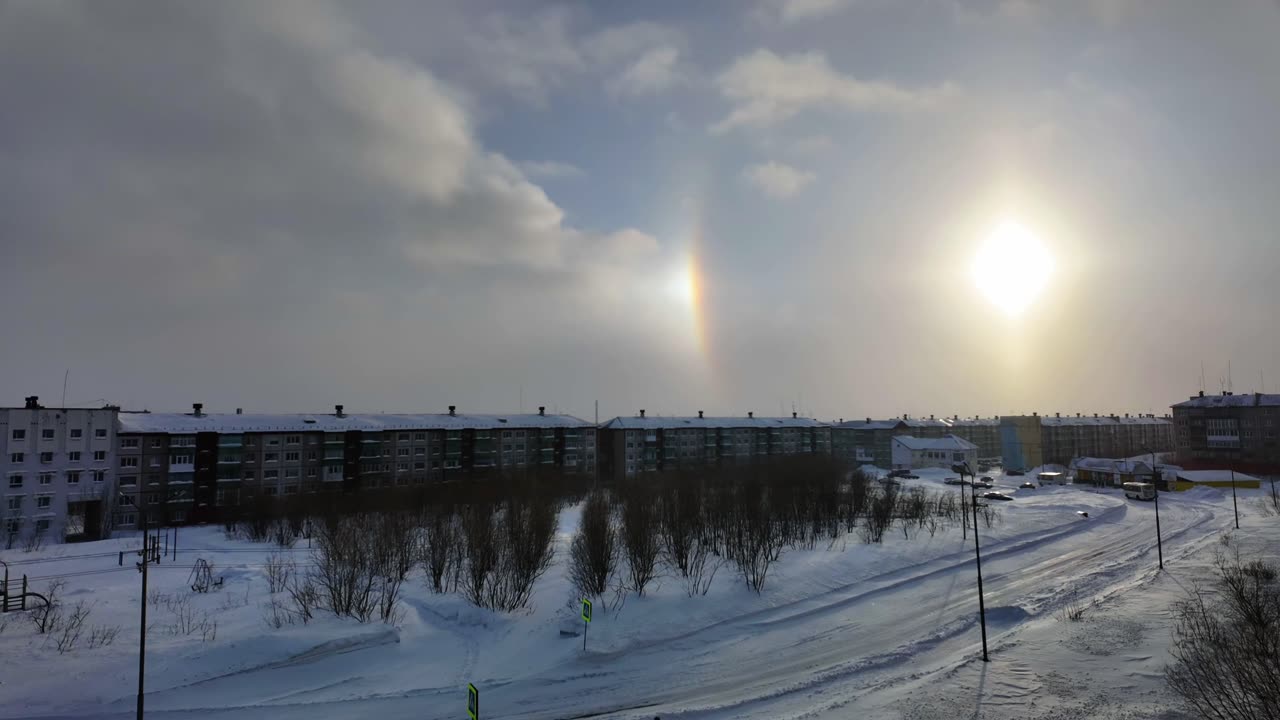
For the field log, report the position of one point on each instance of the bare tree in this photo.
(1226, 648)
(640, 534)
(440, 546)
(593, 553)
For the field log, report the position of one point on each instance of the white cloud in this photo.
(777, 179)
(652, 73)
(789, 11)
(551, 169)
(767, 88)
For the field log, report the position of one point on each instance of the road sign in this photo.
(473, 702)
(586, 610)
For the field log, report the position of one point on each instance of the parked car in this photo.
(1014, 473)
(889, 481)
(953, 481)
(985, 484)
(899, 473)
(1027, 486)
(996, 496)
(986, 479)
(910, 476)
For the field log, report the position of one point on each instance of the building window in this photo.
(128, 462)
(99, 476)
(273, 442)
(291, 473)
(403, 437)
(293, 439)
(43, 502)
(73, 477)
(311, 472)
(157, 442)
(76, 433)
(250, 475)
(19, 434)
(42, 524)
(291, 457)
(46, 478)
(129, 442)
(47, 434)
(313, 455)
(179, 516)
(124, 479)
(73, 456)
(154, 461)
(419, 437)
(269, 490)
(99, 455)
(15, 502)
(402, 452)
(270, 474)
(128, 518)
(270, 457)
(100, 432)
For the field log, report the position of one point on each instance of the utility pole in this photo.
(1234, 504)
(977, 555)
(1154, 475)
(142, 630)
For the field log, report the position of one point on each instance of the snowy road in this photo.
(825, 651)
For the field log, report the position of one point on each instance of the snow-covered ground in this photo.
(875, 631)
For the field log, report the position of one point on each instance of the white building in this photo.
(58, 470)
(910, 452)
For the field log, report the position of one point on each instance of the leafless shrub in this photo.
(701, 567)
(48, 617)
(480, 551)
(640, 535)
(752, 538)
(283, 533)
(276, 614)
(278, 571)
(879, 514)
(102, 636)
(525, 542)
(440, 547)
(1226, 644)
(593, 553)
(681, 520)
(33, 541)
(360, 562)
(69, 634)
(1073, 610)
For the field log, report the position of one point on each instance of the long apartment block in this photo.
(193, 467)
(630, 446)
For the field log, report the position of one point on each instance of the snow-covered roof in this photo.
(1056, 421)
(972, 422)
(148, 422)
(1200, 476)
(1111, 465)
(1232, 400)
(946, 442)
(671, 423)
(870, 424)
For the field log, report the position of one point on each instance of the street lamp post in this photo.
(142, 633)
(1234, 504)
(977, 554)
(1156, 485)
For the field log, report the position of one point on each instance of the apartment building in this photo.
(1029, 441)
(867, 442)
(983, 432)
(630, 446)
(1229, 430)
(190, 467)
(58, 470)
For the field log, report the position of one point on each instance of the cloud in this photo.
(263, 176)
(789, 11)
(653, 73)
(777, 179)
(766, 88)
(551, 169)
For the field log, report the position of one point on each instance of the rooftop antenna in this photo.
(1201, 376)
(65, 375)
(1229, 387)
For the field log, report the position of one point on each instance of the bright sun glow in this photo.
(1012, 268)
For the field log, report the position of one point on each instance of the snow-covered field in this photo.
(852, 630)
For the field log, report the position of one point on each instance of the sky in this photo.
(767, 206)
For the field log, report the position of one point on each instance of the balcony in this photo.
(181, 468)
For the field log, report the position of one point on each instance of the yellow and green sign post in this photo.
(586, 621)
(473, 702)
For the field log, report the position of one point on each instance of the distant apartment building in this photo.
(869, 441)
(58, 471)
(1229, 430)
(983, 432)
(910, 452)
(1029, 441)
(630, 446)
(192, 467)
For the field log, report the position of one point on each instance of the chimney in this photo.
(239, 411)
(1095, 415)
(699, 414)
(196, 408)
(33, 402)
(751, 414)
(793, 414)
(641, 412)
(337, 411)
(1057, 414)
(1077, 414)
(930, 416)
(1126, 415)
(1035, 414)
(868, 421)
(1201, 393)
(453, 411)
(542, 410)
(957, 418)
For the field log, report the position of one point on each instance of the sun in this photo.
(1012, 268)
